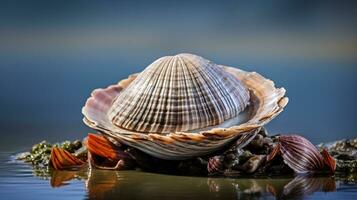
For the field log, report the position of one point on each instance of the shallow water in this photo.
(19, 181)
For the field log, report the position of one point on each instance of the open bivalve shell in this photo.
(184, 106)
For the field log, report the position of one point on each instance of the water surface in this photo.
(19, 180)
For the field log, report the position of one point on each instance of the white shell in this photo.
(179, 93)
(265, 103)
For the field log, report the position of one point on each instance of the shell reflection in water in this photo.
(184, 106)
(304, 186)
(61, 178)
(109, 184)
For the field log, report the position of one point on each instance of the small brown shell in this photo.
(215, 165)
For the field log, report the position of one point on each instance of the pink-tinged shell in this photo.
(266, 102)
(300, 154)
(215, 165)
(301, 186)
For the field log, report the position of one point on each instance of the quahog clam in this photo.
(183, 106)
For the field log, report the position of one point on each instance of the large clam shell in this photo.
(179, 93)
(183, 106)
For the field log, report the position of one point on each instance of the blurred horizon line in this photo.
(262, 45)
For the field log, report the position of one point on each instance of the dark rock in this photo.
(253, 163)
(347, 166)
(263, 131)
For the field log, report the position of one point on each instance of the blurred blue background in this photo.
(54, 53)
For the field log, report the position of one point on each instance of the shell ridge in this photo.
(180, 93)
(207, 98)
(154, 102)
(229, 95)
(114, 110)
(227, 101)
(226, 95)
(177, 101)
(125, 96)
(129, 113)
(218, 99)
(161, 92)
(188, 100)
(244, 96)
(173, 103)
(203, 106)
(198, 101)
(191, 100)
(166, 124)
(145, 118)
(228, 105)
(164, 97)
(236, 98)
(141, 123)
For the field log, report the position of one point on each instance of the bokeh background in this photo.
(54, 53)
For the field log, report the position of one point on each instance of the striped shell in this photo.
(197, 109)
(215, 165)
(179, 93)
(300, 154)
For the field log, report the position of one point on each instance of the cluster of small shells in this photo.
(248, 160)
(270, 155)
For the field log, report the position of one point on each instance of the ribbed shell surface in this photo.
(179, 93)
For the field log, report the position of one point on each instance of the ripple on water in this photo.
(17, 181)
